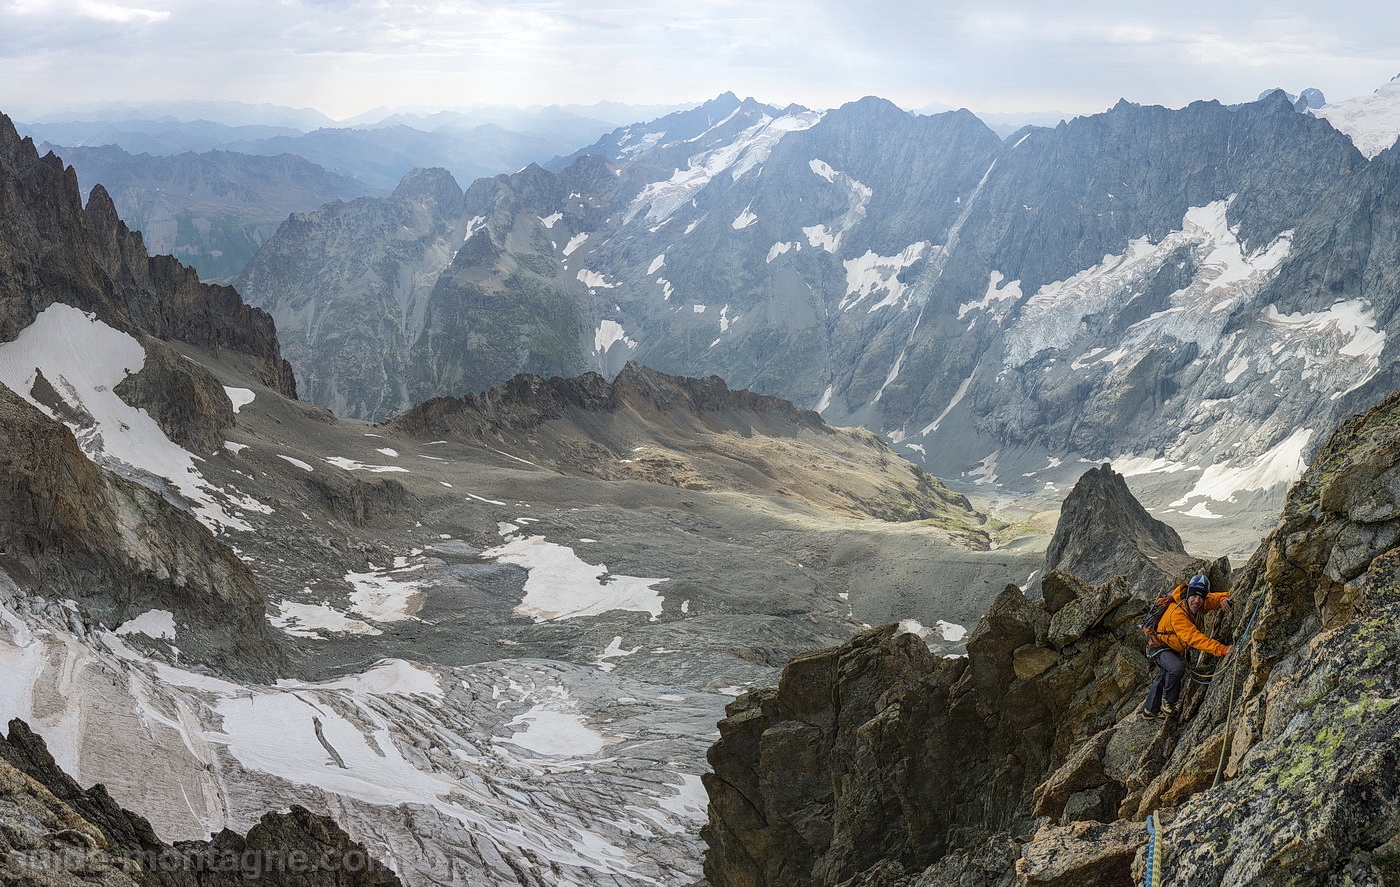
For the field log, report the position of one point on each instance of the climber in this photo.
(1179, 628)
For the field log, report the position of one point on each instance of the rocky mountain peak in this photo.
(433, 186)
(1104, 532)
(637, 384)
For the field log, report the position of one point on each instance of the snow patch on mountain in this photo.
(1052, 319)
(744, 220)
(778, 249)
(828, 237)
(83, 360)
(609, 333)
(386, 595)
(738, 156)
(999, 300)
(152, 623)
(871, 273)
(239, 397)
(1281, 464)
(549, 220)
(1371, 121)
(314, 620)
(656, 264)
(1133, 466)
(985, 472)
(548, 731)
(956, 399)
(574, 243)
(352, 465)
(594, 280)
(823, 169)
(561, 585)
(614, 651)
(632, 144)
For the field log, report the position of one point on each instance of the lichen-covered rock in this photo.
(1304, 737)
(1074, 619)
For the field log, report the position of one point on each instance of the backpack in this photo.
(1152, 617)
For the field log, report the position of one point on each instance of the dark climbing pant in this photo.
(1166, 682)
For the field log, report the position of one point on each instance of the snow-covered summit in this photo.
(1372, 121)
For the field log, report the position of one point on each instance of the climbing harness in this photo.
(1153, 876)
(1154, 853)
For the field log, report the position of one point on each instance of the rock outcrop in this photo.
(1027, 763)
(54, 832)
(52, 249)
(71, 530)
(881, 754)
(694, 434)
(1105, 532)
(75, 524)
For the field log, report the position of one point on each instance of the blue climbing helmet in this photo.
(1199, 584)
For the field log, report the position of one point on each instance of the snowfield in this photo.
(450, 775)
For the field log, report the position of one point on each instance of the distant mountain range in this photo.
(209, 182)
(377, 148)
(211, 210)
(1198, 294)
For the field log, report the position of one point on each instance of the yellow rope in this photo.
(1234, 673)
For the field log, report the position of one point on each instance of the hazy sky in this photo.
(347, 56)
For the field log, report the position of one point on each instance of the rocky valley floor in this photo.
(495, 671)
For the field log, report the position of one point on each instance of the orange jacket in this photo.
(1178, 630)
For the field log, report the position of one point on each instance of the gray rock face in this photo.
(120, 549)
(1195, 294)
(871, 763)
(1105, 532)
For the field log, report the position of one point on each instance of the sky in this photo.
(345, 57)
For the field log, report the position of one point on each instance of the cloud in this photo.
(998, 55)
(110, 12)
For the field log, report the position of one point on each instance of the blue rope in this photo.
(1154, 853)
